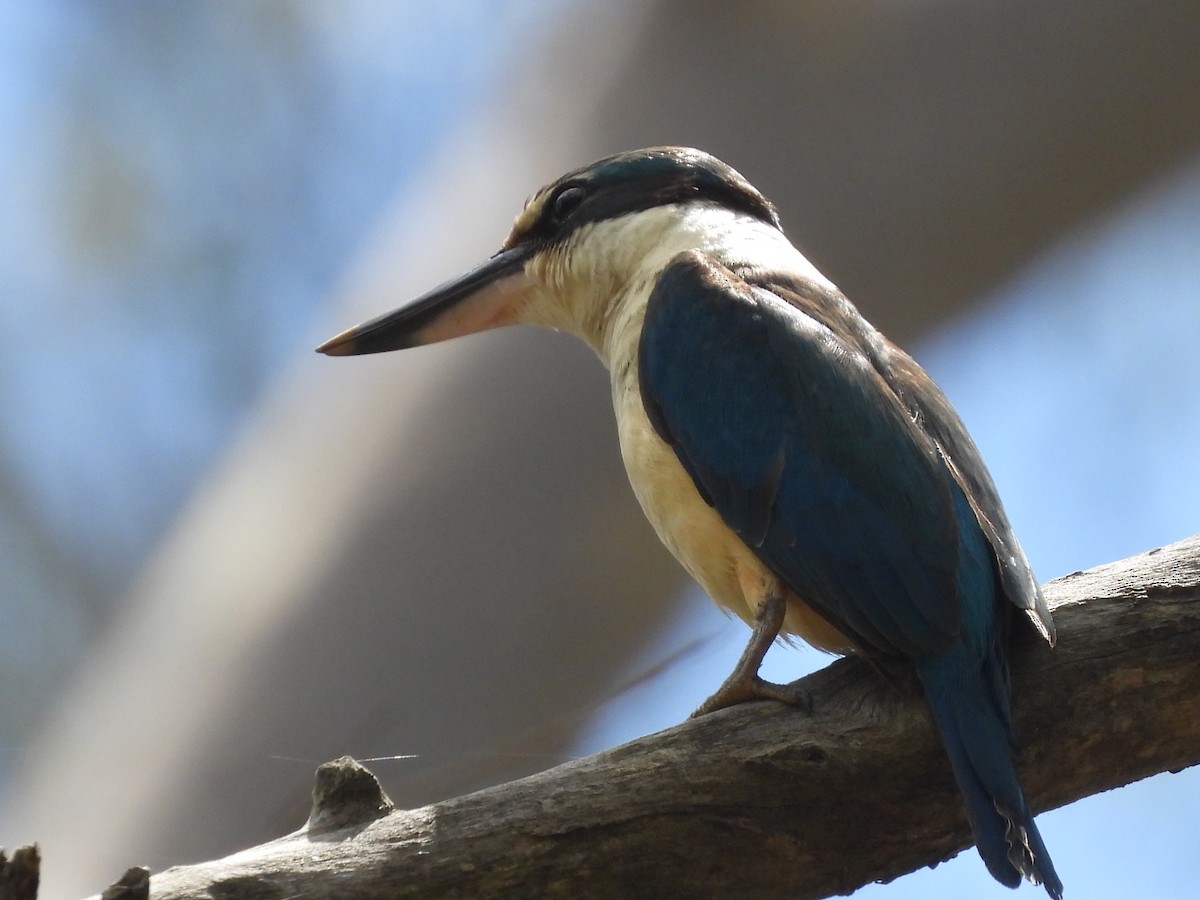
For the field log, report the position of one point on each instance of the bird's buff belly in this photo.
(693, 531)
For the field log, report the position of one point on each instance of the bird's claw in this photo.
(741, 690)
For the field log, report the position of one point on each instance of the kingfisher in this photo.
(805, 470)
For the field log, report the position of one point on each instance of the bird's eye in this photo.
(566, 202)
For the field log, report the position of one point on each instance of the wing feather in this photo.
(790, 433)
(928, 405)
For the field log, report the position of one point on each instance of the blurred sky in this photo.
(185, 183)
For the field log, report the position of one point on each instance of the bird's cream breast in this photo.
(690, 528)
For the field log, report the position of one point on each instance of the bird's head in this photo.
(580, 244)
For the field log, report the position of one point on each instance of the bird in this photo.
(805, 470)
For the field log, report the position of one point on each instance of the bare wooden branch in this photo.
(133, 885)
(19, 875)
(761, 800)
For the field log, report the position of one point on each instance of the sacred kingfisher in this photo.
(803, 469)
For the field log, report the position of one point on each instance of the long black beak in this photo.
(489, 296)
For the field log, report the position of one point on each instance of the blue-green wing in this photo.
(805, 452)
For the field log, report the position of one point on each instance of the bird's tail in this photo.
(969, 705)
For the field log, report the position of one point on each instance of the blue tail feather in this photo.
(974, 727)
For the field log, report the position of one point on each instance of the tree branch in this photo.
(858, 791)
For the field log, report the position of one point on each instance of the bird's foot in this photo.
(744, 683)
(737, 690)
